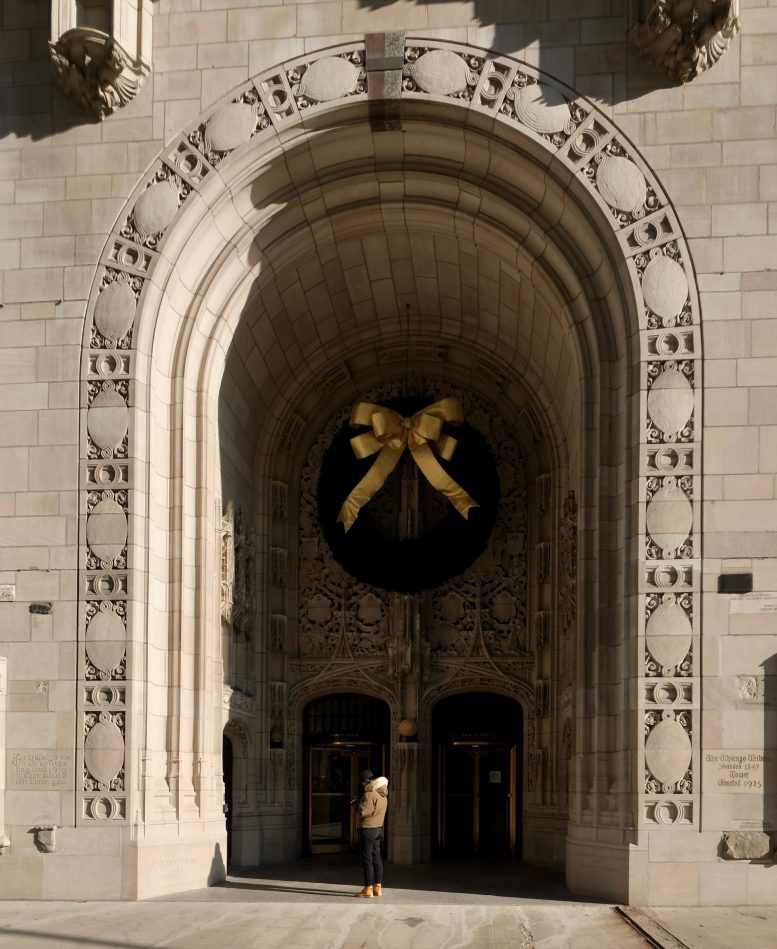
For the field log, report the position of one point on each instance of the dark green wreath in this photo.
(444, 550)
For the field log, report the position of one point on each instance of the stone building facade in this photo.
(223, 226)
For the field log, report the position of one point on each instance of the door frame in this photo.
(443, 751)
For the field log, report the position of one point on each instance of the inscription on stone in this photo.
(740, 772)
(753, 603)
(7, 592)
(40, 770)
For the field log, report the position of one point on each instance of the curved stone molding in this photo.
(518, 100)
(686, 39)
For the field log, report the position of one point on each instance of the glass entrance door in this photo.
(334, 770)
(476, 812)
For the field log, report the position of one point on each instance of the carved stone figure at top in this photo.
(94, 71)
(686, 37)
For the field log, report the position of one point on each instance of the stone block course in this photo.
(261, 23)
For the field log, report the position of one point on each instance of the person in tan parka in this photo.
(372, 805)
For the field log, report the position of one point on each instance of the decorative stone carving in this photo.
(669, 517)
(114, 310)
(108, 419)
(670, 401)
(747, 845)
(664, 286)
(686, 37)
(104, 750)
(439, 72)
(668, 633)
(106, 639)
(667, 751)
(568, 564)
(332, 77)
(46, 838)
(227, 562)
(244, 578)
(621, 184)
(106, 530)
(155, 208)
(95, 71)
(230, 127)
(541, 108)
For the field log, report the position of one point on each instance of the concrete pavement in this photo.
(309, 904)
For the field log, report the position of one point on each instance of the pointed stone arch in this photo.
(519, 166)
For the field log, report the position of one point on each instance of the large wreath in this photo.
(445, 549)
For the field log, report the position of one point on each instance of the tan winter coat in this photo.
(373, 803)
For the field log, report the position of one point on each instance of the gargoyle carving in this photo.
(94, 71)
(686, 37)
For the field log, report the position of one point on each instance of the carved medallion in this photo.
(230, 127)
(330, 78)
(114, 310)
(670, 401)
(541, 108)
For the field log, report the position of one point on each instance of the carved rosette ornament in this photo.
(95, 71)
(684, 38)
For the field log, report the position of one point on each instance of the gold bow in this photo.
(391, 434)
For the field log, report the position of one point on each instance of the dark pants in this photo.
(369, 845)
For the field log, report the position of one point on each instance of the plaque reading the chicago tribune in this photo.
(739, 772)
(40, 770)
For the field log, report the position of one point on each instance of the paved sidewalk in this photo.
(309, 904)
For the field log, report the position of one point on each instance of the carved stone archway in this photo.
(519, 166)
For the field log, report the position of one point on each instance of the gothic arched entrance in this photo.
(282, 258)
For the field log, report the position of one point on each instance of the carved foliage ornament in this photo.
(95, 71)
(686, 37)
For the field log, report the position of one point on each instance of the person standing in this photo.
(372, 804)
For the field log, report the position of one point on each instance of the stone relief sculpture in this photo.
(686, 37)
(228, 562)
(101, 53)
(94, 71)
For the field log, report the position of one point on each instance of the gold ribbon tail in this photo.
(439, 479)
(370, 484)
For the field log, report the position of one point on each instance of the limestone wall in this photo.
(65, 177)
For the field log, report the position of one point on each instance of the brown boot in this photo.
(366, 892)
(377, 889)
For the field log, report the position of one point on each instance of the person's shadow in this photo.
(218, 872)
